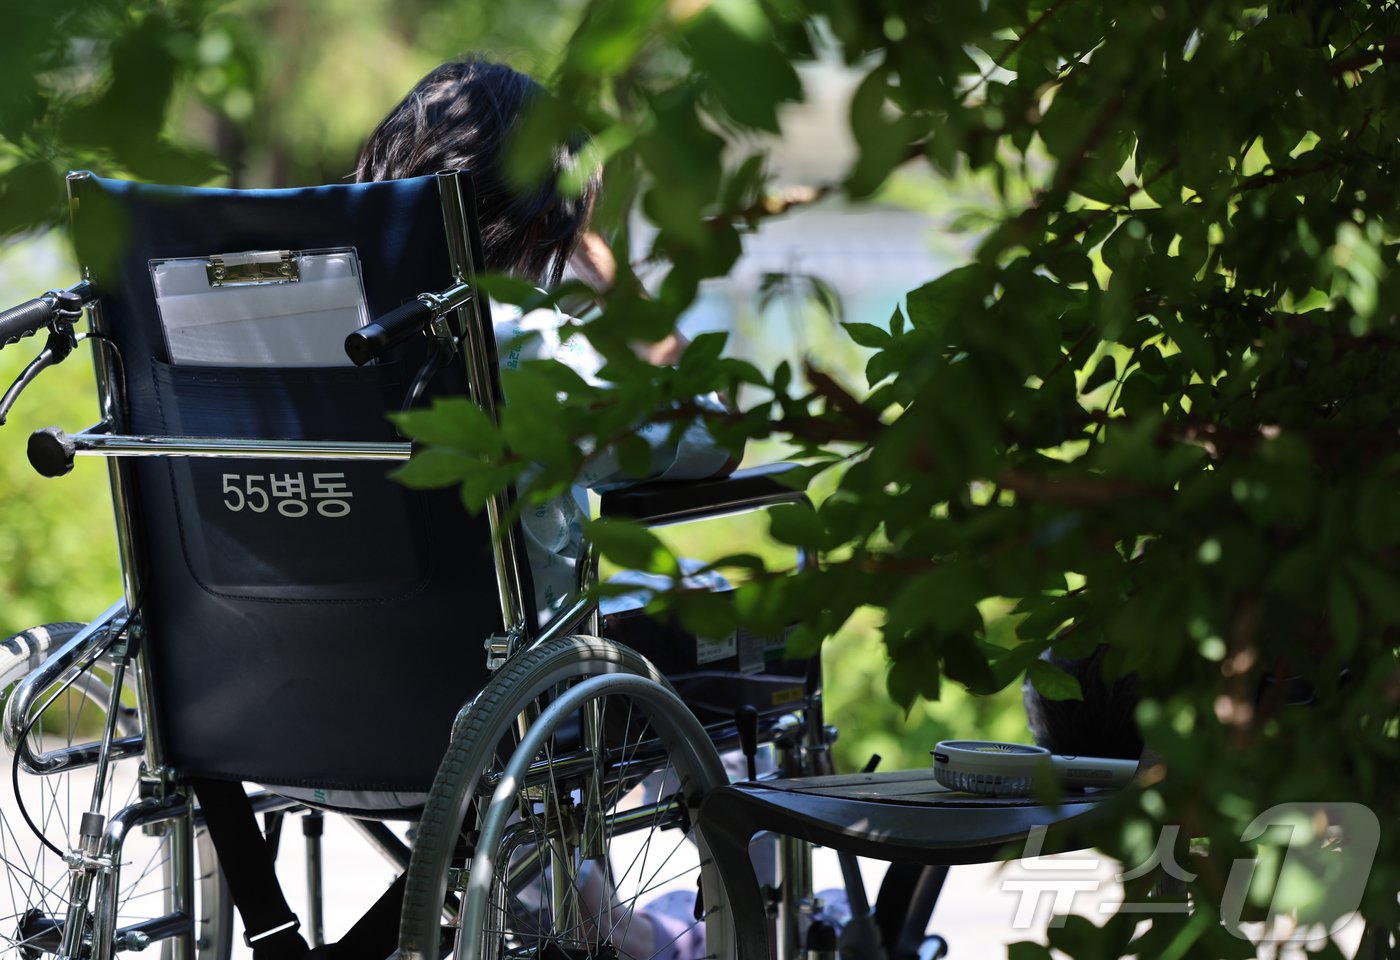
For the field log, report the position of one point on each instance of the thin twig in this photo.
(1074, 491)
(1391, 51)
(1030, 31)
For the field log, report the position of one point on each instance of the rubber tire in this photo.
(481, 725)
(20, 655)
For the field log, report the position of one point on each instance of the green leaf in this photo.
(966, 663)
(868, 335)
(1194, 346)
(483, 480)
(1103, 187)
(683, 156)
(1377, 516)
(782, 377)
(885, 364)
(702, 356)
(1028, 950)
(31, 195)
(1123, 249)
(883, 136)
(733, 32)
(743, 185)
(1343, 612)
(803, 642)
(452, 422)
(1194, 245)
(504, 288)
(634, 456)
(1105, 371)
(1381, 590)
(797, 524)
(915, 674)
(536, 438)
(127, 118)
(952, 296)
(610, 38)
(705, 614)
(1014, 661)
(434, 468)
(1070, 264)
(1053, 682)
(554, 376)
(630, 545)
(742, 371)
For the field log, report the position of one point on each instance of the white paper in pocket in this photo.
(260, 308)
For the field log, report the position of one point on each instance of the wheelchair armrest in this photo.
(662, 502)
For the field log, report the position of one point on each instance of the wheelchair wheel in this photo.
(592, 858)
(35, 878)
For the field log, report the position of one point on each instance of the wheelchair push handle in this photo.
(25, 319)
(372, 340)
(57, 311)
(390, 330)
(34, 315)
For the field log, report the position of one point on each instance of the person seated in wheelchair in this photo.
(459, 117)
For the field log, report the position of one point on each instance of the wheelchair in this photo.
(294, 619)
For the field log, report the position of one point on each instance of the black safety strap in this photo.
(375, 935)
(270, 926)
(272, 929)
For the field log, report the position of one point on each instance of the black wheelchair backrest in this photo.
(306, 623)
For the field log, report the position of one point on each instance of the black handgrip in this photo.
(396, 326)
(29, 317)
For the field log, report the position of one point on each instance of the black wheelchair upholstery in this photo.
(288, 646)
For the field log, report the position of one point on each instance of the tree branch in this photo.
(840, 399)
(1074, 491)
(1390, 51)
(1283, 174)
(1020, 41)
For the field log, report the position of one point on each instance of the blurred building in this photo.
(870, 255)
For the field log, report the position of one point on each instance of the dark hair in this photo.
(1100, 725)
(460, 117)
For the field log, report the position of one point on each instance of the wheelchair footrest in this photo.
(902, 815)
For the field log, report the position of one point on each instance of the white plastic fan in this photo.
(1008, 769)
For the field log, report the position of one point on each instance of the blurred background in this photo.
(272, 94)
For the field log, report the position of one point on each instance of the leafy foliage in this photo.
(1153, 410)
(89, 84)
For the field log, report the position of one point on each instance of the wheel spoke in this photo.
(553, 889)
(35, 878)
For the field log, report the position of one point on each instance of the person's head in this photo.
(1102, 724)
(461, 116)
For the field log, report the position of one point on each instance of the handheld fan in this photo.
(1007, 769)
